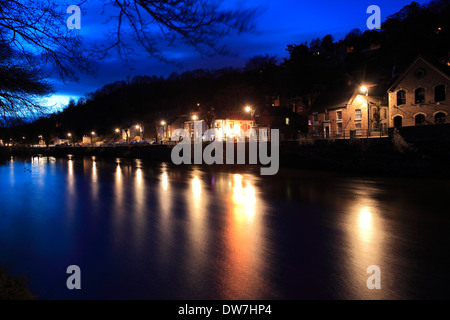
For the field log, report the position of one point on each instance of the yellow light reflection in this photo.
(139, 176)
(164, 180)
(244, 241)
(196, 188)
(365, 220)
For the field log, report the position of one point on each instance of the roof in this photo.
(342, 97)
(438, 67)
(332, 100)
(234, 115)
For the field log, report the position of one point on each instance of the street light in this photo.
(93, 133)
(251, 111)
(69, 135)
(365, 89)
(163, 123)
(194, 117)
(117, 130)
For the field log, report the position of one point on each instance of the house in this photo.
(344, 113)
(285, 119)
(228, 124)
(419, 96)
(166, 128)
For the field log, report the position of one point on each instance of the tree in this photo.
(154, 24)
(34, 34)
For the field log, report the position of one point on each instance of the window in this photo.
(339, 128)
(439, 118)
(420, 119)
(339, 115)
(327, 116)
(315, 118)
(287, 121)
(358, 129)
(358, 115)
(231, 124)
(398, 121)
(401, 97)
(439, 93)
(384, 113)
(419, 95)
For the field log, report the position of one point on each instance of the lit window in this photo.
(287, 121)
(358, 115)
(231, 124)
(358, 129)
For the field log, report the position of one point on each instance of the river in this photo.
(141, 230)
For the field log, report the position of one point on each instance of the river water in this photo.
(142, 230)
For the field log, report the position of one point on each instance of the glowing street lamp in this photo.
(69, 135)
(117, 130)
(93, 133)
(365, 89)
(194, 117)
(163, 123)
(248, 109)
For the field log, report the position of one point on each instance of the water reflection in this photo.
(194, 233)
(244, 242)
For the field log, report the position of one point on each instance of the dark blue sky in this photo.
(279, 23)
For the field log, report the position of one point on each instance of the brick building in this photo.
(341, 114)
(419, 96)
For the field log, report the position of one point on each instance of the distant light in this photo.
(163, 123)
(363, 89)
(93, 133)
(194, 117)
(137, 127)
(248, 109)
(23, 138)
(69, 134)
(117, 130)
(198, 104)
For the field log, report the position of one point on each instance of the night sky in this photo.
(278, 24)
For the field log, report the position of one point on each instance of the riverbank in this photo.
(373, 157)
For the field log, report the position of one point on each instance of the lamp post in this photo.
(251, 111)
(365, 89)
(92, 139)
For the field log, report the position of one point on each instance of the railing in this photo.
(351, 134)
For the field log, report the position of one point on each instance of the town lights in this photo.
(117, 130)
(163, 123)
(69, 135)
(93, 133)
(194, 117)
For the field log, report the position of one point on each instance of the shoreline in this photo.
(362, 157)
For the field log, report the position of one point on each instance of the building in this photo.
(419, 96)
(344, 113)
(227, 124)
(166, 128)
(230, 124)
